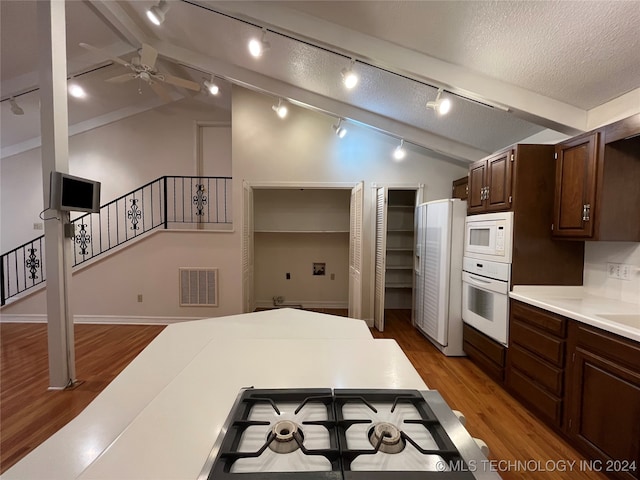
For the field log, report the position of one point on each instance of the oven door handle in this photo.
(479, 280)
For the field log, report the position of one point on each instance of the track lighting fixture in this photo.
(280, 109)
(440, 105)
(258, 47)
(399, 153)
(157, 12)
(349, 77)
(15, 108)
(339, 129)
(211, 86)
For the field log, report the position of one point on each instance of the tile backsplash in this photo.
(596, 280)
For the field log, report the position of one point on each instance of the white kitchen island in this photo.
(161, 416)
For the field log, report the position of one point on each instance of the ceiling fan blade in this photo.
(104, 54)
(180, 82)
(121, 78)
(161, 91)
(148, 56)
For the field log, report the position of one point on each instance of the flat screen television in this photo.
(74, 194)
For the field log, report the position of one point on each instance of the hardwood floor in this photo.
(512, 434)
(29, 413)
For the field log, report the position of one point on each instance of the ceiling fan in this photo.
(143, 67)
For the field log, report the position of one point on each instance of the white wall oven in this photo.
(489, 236)
(485, 297)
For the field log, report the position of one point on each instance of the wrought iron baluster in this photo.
(134, 214)
(82, 239)
(200, 199)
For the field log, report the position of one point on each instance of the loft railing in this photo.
(164, 202)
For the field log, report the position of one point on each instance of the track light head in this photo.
(440, 105)
(339, 129)
(157, 12)
(349, 77)
(211, 86)
(15, 108)
(280, 109)
(258, 47)
(399, 153)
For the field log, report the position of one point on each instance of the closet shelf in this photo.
(399, 285)
(399, 249)
(399, 267)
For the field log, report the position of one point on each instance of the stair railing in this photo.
(164, 202)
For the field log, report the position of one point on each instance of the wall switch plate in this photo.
(333, 276)
(38, 226)
(625, 272)
(288, 275)
(140, 297)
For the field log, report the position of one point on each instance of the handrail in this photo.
(196, 201)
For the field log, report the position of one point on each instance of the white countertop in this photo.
(161, 416)
(615, 316)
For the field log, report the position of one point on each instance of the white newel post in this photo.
(55, 156)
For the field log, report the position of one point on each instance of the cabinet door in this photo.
(575, 187)
(604, 398)
(498, 182)
(475, 201)
(460, 188)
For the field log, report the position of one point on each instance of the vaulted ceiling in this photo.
(511, 69)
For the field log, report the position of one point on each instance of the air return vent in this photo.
(199, 287)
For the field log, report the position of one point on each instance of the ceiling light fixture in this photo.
(211, 86)
(349, 77)
(258, 47)
(399, 153)
(440, 105)
(156, 13)
(339, 129)
(76, 90)
(280, 109)
(15, 108)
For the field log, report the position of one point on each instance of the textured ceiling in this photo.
(580, 54)
(576, 52)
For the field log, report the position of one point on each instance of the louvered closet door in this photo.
(355, 252)
(381, 246)
(248, 302)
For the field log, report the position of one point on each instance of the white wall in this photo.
(303, 148)
(596, 280)
(123, 155)
(149, 267)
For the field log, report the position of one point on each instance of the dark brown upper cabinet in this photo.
(490, 183)
(597, 177)
(460, 188)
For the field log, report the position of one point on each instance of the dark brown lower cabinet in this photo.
(581, 380)
(603, 405)
(485, 352)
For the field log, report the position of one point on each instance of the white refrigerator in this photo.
(438, 273)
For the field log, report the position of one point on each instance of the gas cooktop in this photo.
(342, 434)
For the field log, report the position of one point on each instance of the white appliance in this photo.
(485, 297)
(438, 273)
(486, 277)
(489, 236)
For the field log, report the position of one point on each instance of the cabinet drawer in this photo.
(541, 343)
(546, 375)
(539, 400)
(493, 350)
(539, 318)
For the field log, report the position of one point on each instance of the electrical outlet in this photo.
(625, 272)
(333, 276)
(38, 226)
(140, 297)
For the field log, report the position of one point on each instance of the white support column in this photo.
(55, 156)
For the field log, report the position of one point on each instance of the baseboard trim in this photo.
(100, 319)
(293, 304)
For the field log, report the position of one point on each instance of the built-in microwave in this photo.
(489, 236)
